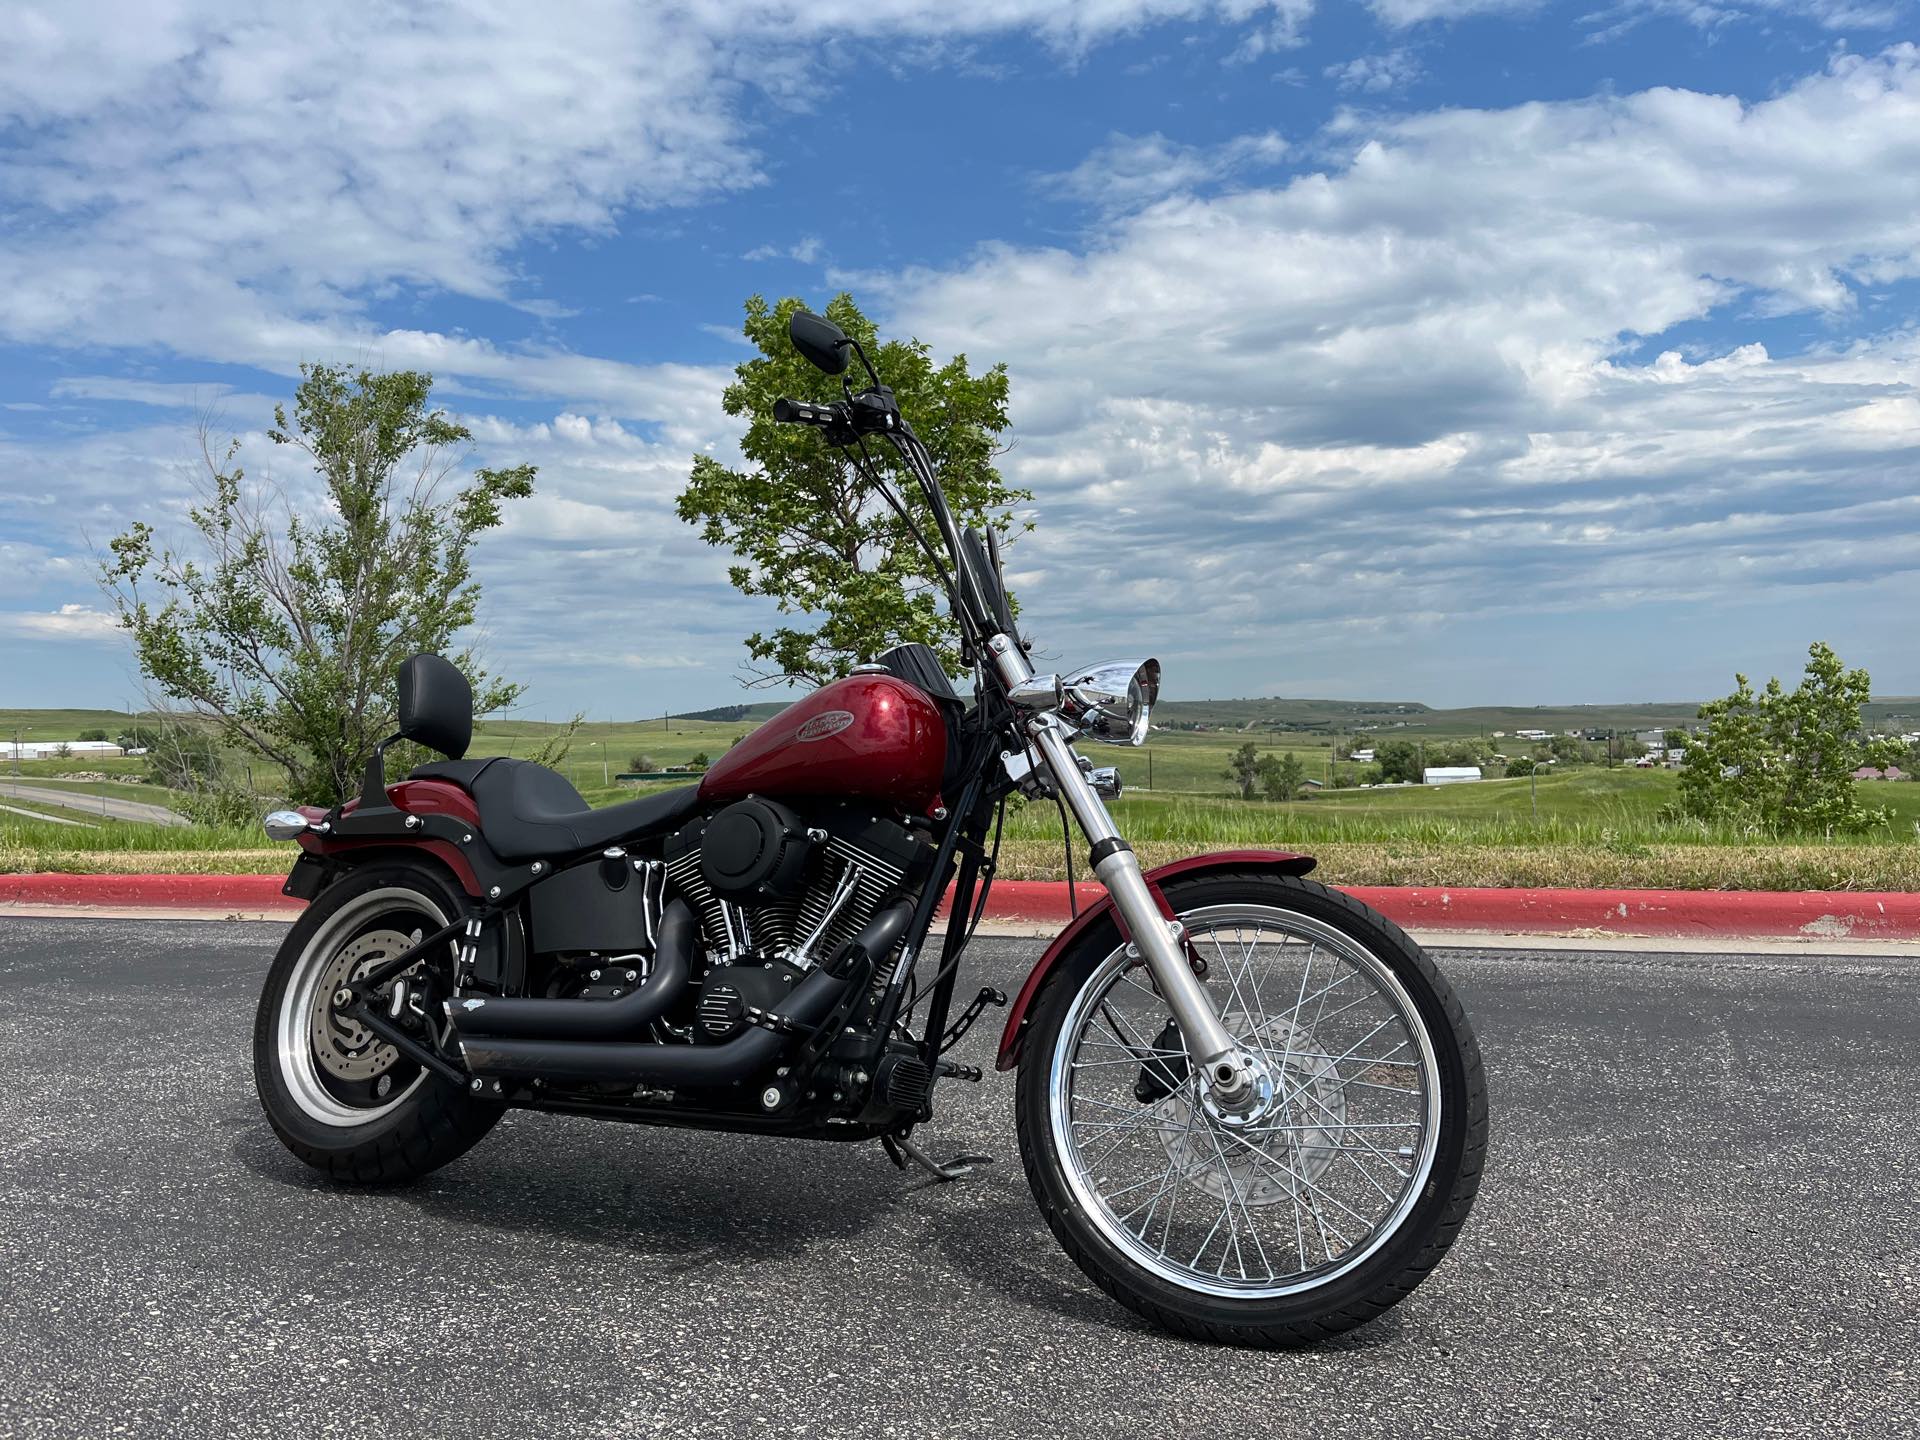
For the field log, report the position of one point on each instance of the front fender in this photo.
(1278, 862)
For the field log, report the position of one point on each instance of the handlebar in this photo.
(800, 412)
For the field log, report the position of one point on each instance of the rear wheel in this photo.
(338, 1097)
(1316, 1215)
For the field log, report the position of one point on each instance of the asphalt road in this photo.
(88, 802)
(1699, 1220)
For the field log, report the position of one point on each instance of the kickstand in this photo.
(900, 1150)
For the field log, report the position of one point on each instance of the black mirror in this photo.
(823, 343)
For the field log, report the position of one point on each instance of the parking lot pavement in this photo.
(1699, 1219)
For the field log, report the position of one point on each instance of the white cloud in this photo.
(1402, 386)
(1133, 170)
(69, 622)
(235, 185)
(1376, 74)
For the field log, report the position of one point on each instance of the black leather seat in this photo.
(529, 812)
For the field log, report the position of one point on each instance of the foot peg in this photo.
(900, 1150)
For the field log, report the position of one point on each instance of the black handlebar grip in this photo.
(786, 411)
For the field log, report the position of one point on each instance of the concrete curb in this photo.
(1806, 914)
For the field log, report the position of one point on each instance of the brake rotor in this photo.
(1294, 1145)
(345, 1048)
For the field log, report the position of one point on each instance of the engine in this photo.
(779, 892)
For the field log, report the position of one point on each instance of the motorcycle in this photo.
(1249, 1107)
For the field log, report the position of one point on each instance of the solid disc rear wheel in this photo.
(1323, 1211)
(337, 1097)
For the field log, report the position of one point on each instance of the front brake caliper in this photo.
(1162, 1074)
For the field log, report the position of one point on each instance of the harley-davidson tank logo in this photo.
(827, 722)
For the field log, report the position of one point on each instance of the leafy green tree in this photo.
(1398, 760)
(93, 734)
(1243, 768)
(700, 761)
(1568, 750)
(806, 528)
(1284, 777)
(284, 629)
(1783, 760)
(1519, 766)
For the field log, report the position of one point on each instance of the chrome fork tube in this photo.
(1229, 1073)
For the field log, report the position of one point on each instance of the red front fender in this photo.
(1279, 862)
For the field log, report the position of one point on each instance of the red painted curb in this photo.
(157, 892)
(1820, 914)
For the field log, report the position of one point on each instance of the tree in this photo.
(1782, 760)
(642, 764)
(1399, 760)
(1243, 768)
(285, 628)
(1283, 778)
(1520, 765)
(93, 734)
(807, 529)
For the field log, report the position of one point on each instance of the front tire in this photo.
(1321, 1215)
(337, 1098)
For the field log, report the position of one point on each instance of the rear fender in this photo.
(415, 797)
(1101, 912)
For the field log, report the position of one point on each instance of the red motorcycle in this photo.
(1250, 1108)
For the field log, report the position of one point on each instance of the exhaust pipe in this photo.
(590, 1019)
(647, 1062)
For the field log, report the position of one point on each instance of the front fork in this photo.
(1236, 1086)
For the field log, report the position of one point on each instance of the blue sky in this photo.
(1454, 350)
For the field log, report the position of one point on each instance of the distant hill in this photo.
(726, 714)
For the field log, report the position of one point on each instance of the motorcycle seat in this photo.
(528, 812)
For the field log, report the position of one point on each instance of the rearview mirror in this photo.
(823, 343)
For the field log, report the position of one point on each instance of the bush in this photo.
(93, 734)
(642, 764)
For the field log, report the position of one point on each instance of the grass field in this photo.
(1581, 825)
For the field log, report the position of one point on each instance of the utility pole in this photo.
(1533, 790)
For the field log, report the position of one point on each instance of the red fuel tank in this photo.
(869, 735)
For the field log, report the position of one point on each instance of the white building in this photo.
(1362, 757)
(1531, 734)
(1450, 774)
(49, 749)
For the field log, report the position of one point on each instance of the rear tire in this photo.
(1315, 1300)
(358, 1114)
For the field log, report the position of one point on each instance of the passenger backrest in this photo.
(436, 705)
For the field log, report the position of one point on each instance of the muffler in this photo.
(743, 1058)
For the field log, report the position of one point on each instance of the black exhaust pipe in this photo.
(592, 1019)
(744, 1057)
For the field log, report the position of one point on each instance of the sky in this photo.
(1463, 351)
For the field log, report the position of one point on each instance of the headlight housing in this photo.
(1112, 701)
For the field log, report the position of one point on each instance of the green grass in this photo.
(1576, 826)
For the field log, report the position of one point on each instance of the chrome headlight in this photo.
(284, 825)
(1111, 702)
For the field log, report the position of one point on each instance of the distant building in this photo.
(1867, 772)
(1532, 734)
(1652, 739)
(1450, 774)
(1312, 784)
(48, 749)
(1362, 757)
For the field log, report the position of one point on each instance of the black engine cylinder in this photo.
(755, 850)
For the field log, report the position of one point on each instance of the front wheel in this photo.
(1316, 1215)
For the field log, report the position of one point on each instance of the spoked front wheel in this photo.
(1316, 1214)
